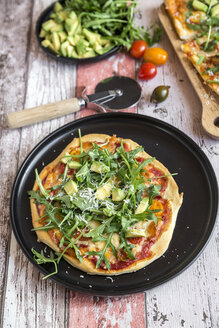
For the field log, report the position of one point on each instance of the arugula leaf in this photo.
(94, 233)
(210, 70)
(137, 170)
(156, 35)
(102, 253)
(66, 199)
(40, 258)
(209, 46)
(189, 5)
(39, 199)
(200, 60)
(82, 173)
(43, 191)
(126, 247)
(153, 191)
(152, 217)
(140, 188)
(78, 253)
(213, 81)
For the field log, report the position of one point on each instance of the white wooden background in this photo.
(29, 78)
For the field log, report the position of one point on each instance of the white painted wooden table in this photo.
(29, 78)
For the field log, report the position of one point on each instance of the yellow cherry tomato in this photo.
(155, 55)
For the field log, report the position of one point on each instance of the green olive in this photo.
(160, 94)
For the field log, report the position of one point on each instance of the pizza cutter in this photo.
(113, 94)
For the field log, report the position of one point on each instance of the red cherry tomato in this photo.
(147, 71)
(156, 55)
(138, 48)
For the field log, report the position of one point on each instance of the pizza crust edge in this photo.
(159, 247)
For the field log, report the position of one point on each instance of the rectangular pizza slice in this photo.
(186, 19)
(205, 62)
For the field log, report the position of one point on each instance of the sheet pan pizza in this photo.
(105, 206)
(197, 22)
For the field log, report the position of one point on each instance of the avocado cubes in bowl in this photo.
(59, 30)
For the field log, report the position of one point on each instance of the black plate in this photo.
(175, 150)
(44, 17)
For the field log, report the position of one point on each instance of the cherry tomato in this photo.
(138, 48)
(155, 55)
(147, 71)
(160, 94)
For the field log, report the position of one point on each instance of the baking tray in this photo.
(196, 218)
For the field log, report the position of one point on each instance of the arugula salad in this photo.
(84, 29)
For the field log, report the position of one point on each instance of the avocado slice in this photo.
(57, 28)
(48, 25)
(64, 46)
(66, 158)
(71, 26)
(70, 187)
(71, 40)
(74, 54)
(105, 49)
(215, 11)
(89, 53)
(135, 233)
(99, 167)
(61, 16)
(69, 50)
(48, 44)
(48, 36)
(56, 41)
(142, 206)
(57, 7)
(118, 195)
(73, 16)
(104, 191)
(53, 15)
(198, 5)
(213, 2)
(62, 36)
(92, 37)
(75, 165)
(81, 47)
(42, 33)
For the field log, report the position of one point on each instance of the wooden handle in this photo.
(42, 113)
(210, 118)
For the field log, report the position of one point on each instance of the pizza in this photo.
(105, 206)
(184, 17)
(197, 22)
(206, 63)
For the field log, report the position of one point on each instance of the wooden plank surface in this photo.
(29, 78)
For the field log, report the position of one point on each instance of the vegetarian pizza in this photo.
(197, 22)
(105, 206)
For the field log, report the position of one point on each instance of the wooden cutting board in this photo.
(209, 99)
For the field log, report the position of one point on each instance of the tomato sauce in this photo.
(135, 240)
(53, 236)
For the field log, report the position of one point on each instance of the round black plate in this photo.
(44, 17)
(175, 150)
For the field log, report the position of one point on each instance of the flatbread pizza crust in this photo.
(180, 15)
(177, 10)
(158, 248)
